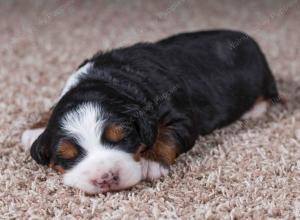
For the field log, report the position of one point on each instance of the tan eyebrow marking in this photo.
(114, 133)
(67, 150)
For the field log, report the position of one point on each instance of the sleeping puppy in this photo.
(126, 115)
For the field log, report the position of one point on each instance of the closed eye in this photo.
(69, 153)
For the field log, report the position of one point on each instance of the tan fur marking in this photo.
(57, 168)
(260, 99)
(67, 150)
(114, 133)
(137, 155)
(164, 149)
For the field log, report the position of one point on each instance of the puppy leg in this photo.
(258, 110)
(30, 135)
(153, 170)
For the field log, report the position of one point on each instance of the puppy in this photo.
(126, 115)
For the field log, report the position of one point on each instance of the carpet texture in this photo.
(249, 170)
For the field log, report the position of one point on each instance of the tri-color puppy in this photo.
(126, 115)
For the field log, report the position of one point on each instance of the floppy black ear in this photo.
(40, 149)
(147, 129)
(146, 125)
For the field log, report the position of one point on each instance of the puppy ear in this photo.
(145, 124)
(147, 130)
(40, 149)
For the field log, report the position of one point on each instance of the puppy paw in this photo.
(153, 170)
(258, 110)
(29, 136)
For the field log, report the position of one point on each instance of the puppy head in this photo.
(96, 151)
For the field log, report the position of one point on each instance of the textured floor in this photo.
(249, 170)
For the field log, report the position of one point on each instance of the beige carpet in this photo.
(246, 171)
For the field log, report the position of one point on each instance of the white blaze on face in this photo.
(102, 168)
(74, 78)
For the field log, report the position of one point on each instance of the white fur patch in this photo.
(153, 170)
(29, 136)
(257, 111)
(100, 162)
(86, 125)
(74, 78)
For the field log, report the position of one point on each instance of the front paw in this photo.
(29, 136)
(153, 170)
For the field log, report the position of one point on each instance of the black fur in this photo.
(191, 83)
